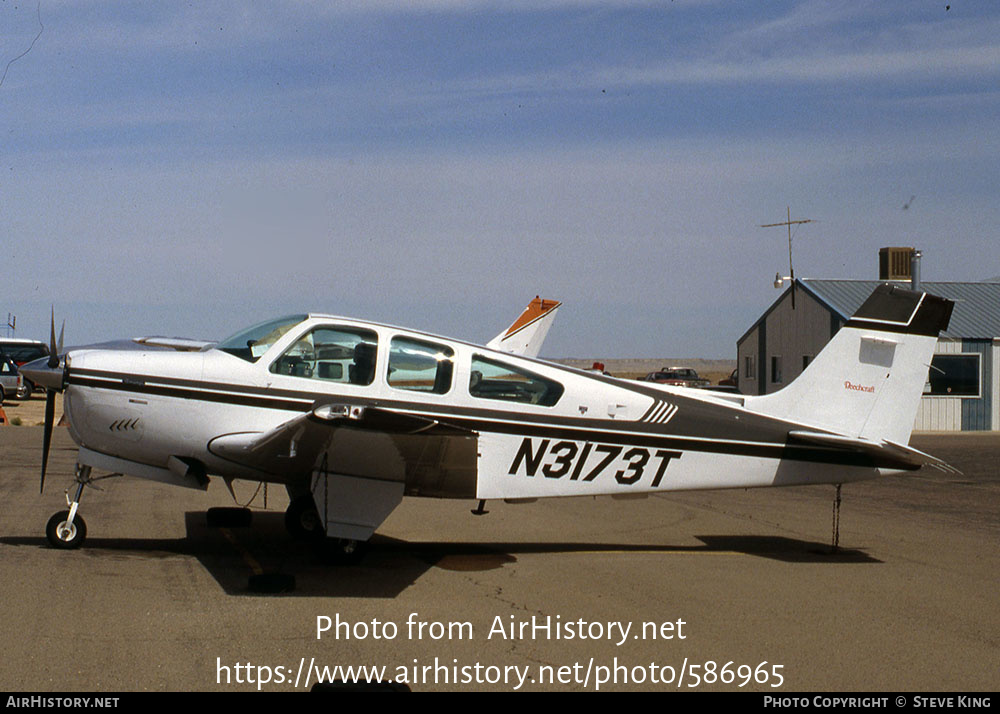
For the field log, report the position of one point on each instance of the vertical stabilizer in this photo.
(527, 333)
(868, 380)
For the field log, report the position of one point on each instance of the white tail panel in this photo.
(868, 380)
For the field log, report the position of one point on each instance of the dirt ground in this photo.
(30, 412)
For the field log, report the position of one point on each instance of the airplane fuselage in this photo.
(525, 428)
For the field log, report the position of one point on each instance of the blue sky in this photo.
(190, 168)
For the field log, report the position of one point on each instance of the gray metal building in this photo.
(963, 391)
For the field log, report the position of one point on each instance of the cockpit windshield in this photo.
(253, 342)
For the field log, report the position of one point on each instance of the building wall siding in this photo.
(749, 347)
(941, 413)
(995, 365)
(792, 334)
(976, 412)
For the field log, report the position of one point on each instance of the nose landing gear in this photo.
(67, 530)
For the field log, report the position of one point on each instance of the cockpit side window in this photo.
(420, 366)
(490, 379)
(333, 354)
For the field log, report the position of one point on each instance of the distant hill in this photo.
(707, 368)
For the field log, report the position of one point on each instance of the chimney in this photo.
(915, 270)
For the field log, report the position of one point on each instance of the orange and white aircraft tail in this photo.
(527, 333)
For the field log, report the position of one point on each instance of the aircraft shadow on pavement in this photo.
(789, 550)
(391, 565)
(263, 559)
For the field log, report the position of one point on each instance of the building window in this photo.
(953, 376)
(776, 370)
(748, 370)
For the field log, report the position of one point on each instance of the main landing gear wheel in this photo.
(63, 535)
(302, 519)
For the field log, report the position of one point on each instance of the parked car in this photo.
(11, 381)
(21, 352)
(733, 380)
(677, 376)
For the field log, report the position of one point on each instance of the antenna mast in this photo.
(789, 222)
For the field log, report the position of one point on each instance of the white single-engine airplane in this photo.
(351, 416)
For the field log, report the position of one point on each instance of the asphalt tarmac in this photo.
(699, 590)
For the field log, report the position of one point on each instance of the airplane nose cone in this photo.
(42, 374)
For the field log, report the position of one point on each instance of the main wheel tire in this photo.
(64, 538)
(303, 521)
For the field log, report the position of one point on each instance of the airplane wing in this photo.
(527, 333)
(181, 344)
(294, 446)
(359, 460)
(886, 454)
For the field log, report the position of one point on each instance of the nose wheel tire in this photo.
(63, 535)
(302, 520)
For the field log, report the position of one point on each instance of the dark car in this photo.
(677, 376)
(733, 380)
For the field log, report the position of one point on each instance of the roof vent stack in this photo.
(895, 263)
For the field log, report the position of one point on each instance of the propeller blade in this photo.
(53, 347)
(50, 413)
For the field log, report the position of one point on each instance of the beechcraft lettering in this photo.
(352, 416)
(587, 461)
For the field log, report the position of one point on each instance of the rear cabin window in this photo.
(490, 379)
(420, 366)
(333, 354)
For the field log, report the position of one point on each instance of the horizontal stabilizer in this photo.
(885, 454)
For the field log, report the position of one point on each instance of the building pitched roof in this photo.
(977, 305)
